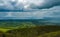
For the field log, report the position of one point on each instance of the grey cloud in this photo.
(47, 4)
(40, 14)
(31, 5)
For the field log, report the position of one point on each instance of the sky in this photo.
(30, 9)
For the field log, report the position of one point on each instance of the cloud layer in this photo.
(35, 9)
(27, 4)
(39, 14)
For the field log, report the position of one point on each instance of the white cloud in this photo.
(19, 4)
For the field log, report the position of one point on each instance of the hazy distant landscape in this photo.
(29, 28)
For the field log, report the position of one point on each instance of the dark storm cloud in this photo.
(46, 4)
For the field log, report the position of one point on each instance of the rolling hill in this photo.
(29, 28)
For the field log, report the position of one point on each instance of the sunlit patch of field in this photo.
(7, 29)
(4, 30)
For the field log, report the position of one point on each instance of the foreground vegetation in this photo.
(51, 34)
(28, 29)
(37, 31)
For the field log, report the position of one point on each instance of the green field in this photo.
(28, 29)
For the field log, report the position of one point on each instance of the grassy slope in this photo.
(37, 31)
(4, 30)
(27, 29)
(51, 34)
(33, 31)
(5, 26)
